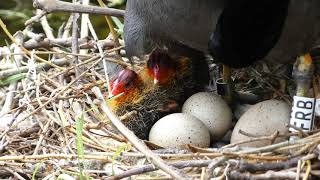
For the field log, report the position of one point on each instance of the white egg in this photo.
(179, 129)
(262, 119)
(212, 110)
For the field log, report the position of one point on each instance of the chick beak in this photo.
(156, 72)
(155, 81)
(117, 88)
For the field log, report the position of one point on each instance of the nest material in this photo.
(41, 135)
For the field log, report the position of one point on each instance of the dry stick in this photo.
(50, 81)
(108, 155)
(150, 168)
(255, 167)
(300, 130)
(53, 98)
(3, 26)
(214, 164)
(298, 170)
(54, 156)
(135, 141)
(111, 28)
(48, 31)
(85, 43)
(61, 111)
(93, 140)
(206, 155)
(9, 100)
(306, 147)
(75, 50)
(49, 34)
(271, 138)
(259, 150)
(203, 173)
(16, 174)
(84, 26)
(255, 157)
(46, 127)
(75, 43)
(10, 72)
(105, 67)
(268, 175)
(64, 42)
(35, 18)
(61, 6)
(60, 62)
(67, 28)
(281, 144)
(43, 65)
(306, 175)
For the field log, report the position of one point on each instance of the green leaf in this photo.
(117, 154)
(80, 147)
(36, 170)
(11, 79)
(113, 3)
(119, 25)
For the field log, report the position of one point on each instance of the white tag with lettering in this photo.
(302, 114)
(317, 108)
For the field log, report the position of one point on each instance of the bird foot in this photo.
(170, 106)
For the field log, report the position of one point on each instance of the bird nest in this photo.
(54, 121)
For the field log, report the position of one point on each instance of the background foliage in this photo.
(15, 12)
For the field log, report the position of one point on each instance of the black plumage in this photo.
(247, 30)
(242, 31)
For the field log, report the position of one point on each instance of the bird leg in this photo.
(226, 74)
(303, 72)
(224, 85)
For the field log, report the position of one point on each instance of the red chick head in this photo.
(123, 82)
(160, 66)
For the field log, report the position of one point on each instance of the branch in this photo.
(61, 6)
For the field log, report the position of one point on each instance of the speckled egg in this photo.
(212, 110)
(262, 119)
(175, 130)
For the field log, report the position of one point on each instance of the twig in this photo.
(3, 26)
(255, 167)
(53, 156)
(52, 99)
(13, 85)
(61, 6)
(268, 175)
(271, 138)
(150, 167)
(24, 69)
(216, 162)
(110, 25)
(17, 175)
(298, 170)
(75, 43)
(300, 130)
(306, 175)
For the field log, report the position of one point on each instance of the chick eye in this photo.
(128, 84)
